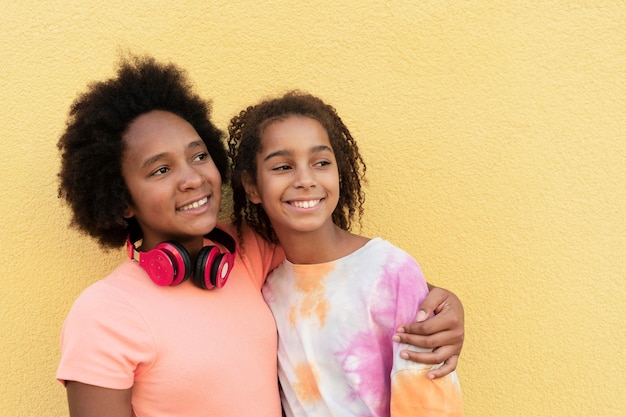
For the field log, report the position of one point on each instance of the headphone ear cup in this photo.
(167, 264)
(212, 267)
(203, 276)
(220, 270)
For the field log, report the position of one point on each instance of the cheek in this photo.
(333, 180)
(150, 201)
(212, 174)
(263, 186)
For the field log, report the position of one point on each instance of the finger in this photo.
(434, 299)
(426, 342)
(413, 340)
(445, 369)
(438, 323)
(433, 325)
(431, 357)
(420, 334)
(446, 320)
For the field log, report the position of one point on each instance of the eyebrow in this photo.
(156, 157)
(315, 149)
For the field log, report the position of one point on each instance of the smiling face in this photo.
(297, 181)
(173, 182)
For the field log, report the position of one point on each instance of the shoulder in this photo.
(383, 249)
(108, 286)
(105, 336)
(395, 264)
(250, 240)
(112, 306)
(255, 254)
(112, 296)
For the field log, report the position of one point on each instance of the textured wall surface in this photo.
(495, 137)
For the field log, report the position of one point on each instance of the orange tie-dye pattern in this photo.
(312, 288)
(416, 395)
(306, 384)
(319, 354)
(293, 316)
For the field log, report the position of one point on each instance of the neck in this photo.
(319, 246)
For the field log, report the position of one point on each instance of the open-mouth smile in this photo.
(194, 205)
(305, 204)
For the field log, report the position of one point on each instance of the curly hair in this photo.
(244, 143)
(92, 145)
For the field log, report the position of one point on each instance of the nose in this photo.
(304, 178)
(190, 177)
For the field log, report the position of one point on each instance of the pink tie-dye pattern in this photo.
(362, 356)
(366, 296)
(360, 360)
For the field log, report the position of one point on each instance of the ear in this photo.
(250, 187)
(129, 211)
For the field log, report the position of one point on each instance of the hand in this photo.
(443, 333)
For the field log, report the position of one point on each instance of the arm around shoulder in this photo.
(444, 332)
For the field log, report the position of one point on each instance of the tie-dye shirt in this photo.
(335, 322)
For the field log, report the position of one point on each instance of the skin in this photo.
(91, 401)
(176, 194)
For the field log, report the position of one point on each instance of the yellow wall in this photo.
(495, 137)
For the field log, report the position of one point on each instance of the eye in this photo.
(201, 156)
(323, 163)
(283, 167)
(160, 171)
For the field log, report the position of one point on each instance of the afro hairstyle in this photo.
(92, 145)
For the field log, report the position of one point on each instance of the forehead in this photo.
(156, 135)
(158, 131)
(158, 124)
(294, 130)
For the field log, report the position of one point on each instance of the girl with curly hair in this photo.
(142, 165)
(338, 297)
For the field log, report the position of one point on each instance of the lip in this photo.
(194, 205)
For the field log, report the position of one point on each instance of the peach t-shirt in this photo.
(183, 350)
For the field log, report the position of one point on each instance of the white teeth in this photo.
(195, 204)
(306, 204)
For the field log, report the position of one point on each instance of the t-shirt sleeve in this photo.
(260, 256)
(104, 341)
(412, 393)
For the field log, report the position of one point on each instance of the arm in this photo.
(92, 401)
(413, 391)
(103, 342)
(444, 332)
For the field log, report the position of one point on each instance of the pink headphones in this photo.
(169, 262)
